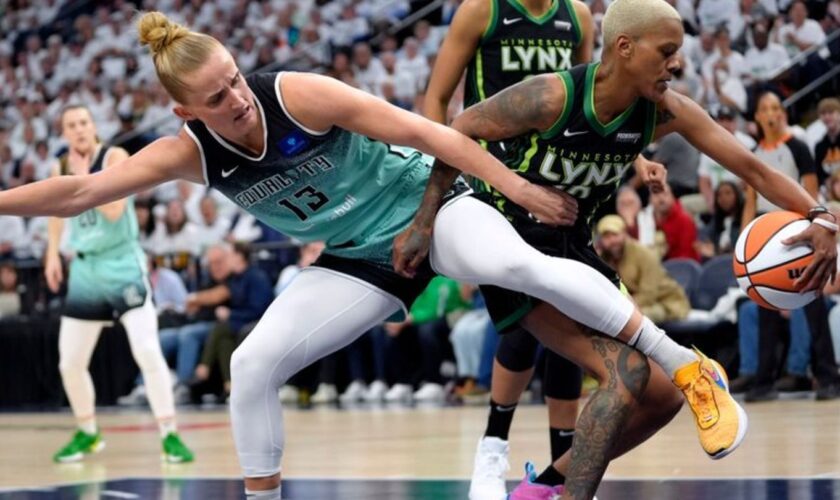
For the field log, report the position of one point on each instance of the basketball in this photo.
(766, 268)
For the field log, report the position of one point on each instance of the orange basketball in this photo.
(767, 269)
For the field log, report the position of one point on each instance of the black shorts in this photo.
(385, 278)
(507, 307)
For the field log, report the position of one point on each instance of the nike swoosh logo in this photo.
(563, 434)
(567, 133)
(227, 173)
(507, 21)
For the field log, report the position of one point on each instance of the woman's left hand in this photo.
(824, 266)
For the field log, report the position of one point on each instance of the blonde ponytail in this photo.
(176, 50)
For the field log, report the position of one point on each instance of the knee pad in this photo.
(517, 350)
(562, 379)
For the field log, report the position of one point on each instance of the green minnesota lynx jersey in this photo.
(517, 45)
(91, 232)
(579, 154)
(350, 191)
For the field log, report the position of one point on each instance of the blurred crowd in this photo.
(54, 53)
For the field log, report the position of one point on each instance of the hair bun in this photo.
(157, 31)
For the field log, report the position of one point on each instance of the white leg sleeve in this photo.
(320, 312)
(142, 329)
(474, 243)
(76, 341)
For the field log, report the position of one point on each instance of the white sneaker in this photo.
(355, 392)
(399, 392)
(430, 393)
(375, 391)
(288, 394)
(491, 466)
(137, 397)
(326, 393)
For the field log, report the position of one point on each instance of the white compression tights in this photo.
(320, 312)
(474, 243)
(76, 341)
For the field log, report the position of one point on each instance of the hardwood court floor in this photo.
(787, 439)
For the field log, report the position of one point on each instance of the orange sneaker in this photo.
(721, 422)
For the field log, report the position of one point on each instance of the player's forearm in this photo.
(56, 196)
(434, 108)
(456, 150)
(439, 183)
(55, 227)
(783, 191)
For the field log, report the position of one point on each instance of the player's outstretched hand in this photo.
(549, 205)
(824, 266)
(410, 248)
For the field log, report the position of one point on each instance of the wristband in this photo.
(819, 210)
(831, 226)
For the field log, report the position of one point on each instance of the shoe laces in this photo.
(701, 398)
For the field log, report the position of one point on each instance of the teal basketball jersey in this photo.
(91, 232)
(350, 191)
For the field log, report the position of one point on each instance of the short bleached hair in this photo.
(634, 18)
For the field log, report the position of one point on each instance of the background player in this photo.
(107, 279)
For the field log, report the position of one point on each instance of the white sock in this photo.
(167, 425)
(88, 426)
(263, 494)
(656, 345)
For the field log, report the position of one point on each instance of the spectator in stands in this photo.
(349, 28)
(790, 156)
(428, 317)
(428, 38)
(403, 86)
(213, 228)
(249, 294)
(174, 234)
(764, 59)
(798, 353)
(414, 64)
(720, 235)
(800, 33)
(677, 225)
(681, 159)
(722, 74)
(710, 173)
(468, 336)
(10, 290)
(367, 69)
(658, 296)
(639, 222)
(827, 151)
(12, 235)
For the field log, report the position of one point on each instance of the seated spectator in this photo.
(184, 343)
(174, 234)
(10, 291)
(640, 223)
(213, 228)
(468, 336)
(720, 235)
(827, 151)
(800, 33)
(249, 295)
(367, 68)
(12, 235)
(798, 354)
(656, 294)
(681, 159)
(764, 59)
(678, 227)
(722, 75)
(711, 173)
(428, 318)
